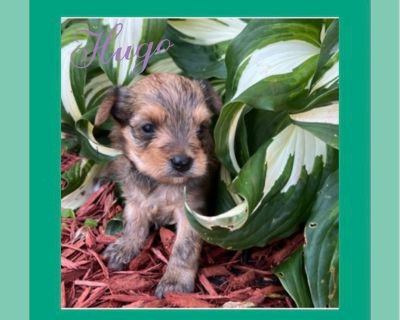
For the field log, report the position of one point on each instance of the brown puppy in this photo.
(162, 127)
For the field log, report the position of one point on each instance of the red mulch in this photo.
(225, 278)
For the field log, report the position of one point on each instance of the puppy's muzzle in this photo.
(181, 163)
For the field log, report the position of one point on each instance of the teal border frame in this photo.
(45, 148)
(43, 177)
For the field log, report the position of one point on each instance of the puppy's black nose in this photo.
(181, 162)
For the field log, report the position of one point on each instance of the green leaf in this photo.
(115, 225)
(67, 214)
(153, 30)
(249, 183)
(207, 31)
(278, 184)
(75, 176)
(74, 31)
(278, 216)
(95, 91)
(69, 143)
(102, 30)
(233, 219)
(275, 91)
(72, 80)
(91, 148)
(78, 79)
(329, 49)
(323, 122)
(90, 223)
(197, 61)
(263, 125)
(225, 200)
(321, 248)
(284, 50)
(326, 132)
(293, 278)
(333, 296)
(78, 197)
(241, 142)
(318, 98)
(225, 133)
(163, 63)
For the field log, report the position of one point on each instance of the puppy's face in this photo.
(163, 126)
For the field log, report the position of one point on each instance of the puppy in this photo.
(162, 128)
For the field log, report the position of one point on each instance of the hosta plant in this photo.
(276, 137)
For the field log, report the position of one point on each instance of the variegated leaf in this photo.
(208, 31)
(277, 167)
(78, 197)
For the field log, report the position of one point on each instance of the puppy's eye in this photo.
(202, 130)
(148, 128)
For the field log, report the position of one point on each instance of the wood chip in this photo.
(87, 283)
(185, 301)
(213, 271)
(129, 282)
(292, 245)
(82, 297)
(159, 255)
(207, 285)
(63, 297)
(167, 239)
(242, 281)
(100, 262)
(105, 239)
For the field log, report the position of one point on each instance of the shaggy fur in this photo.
(162, 127)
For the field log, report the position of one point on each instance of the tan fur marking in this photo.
(152, 113)
(201, 114)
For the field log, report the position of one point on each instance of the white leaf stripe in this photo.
(291, 141)
(164, 65)
(298, 138)
(95, 86)
(281, 57)
(79, 196)
(99, 147)
(310, 150)
(327, 114)
(232, 135)
(328, 78)
(277, 155)
(323, 32)
(225, 176)
(67, 95)
(208, 31)
(232, 219)
(130, 35)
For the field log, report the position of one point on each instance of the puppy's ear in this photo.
(213, 100)
(116, 103)
(103, 112)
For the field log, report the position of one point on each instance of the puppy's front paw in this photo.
(170, 283)
(119, 254)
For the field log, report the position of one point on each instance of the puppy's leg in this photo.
(183, 263)
(136, 230)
